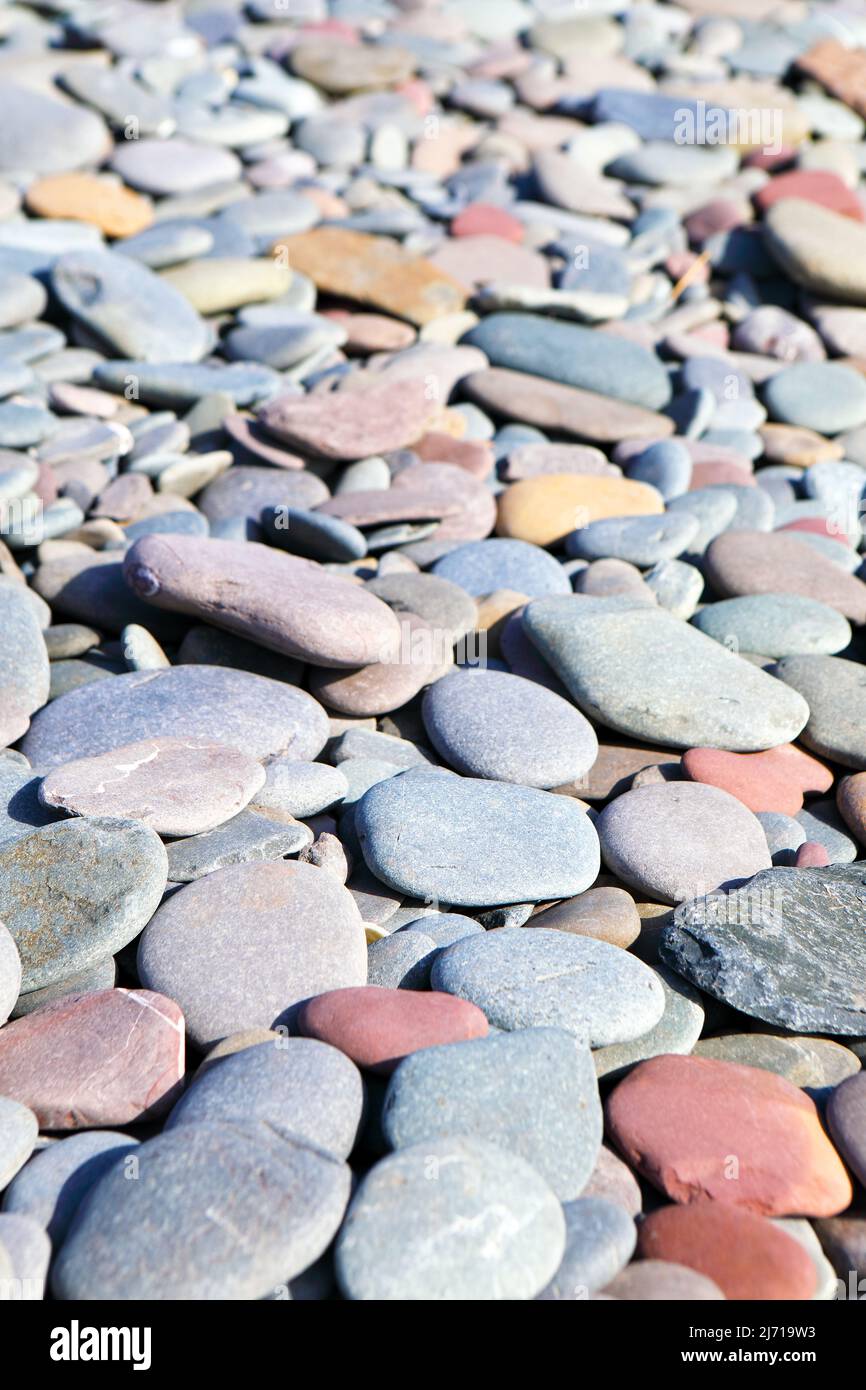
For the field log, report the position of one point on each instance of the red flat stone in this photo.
(483, 219)
(811, 855)
(816, 186)
(774, 780)
(817, 525)
(100, 1059)
(721, 471)
(475, 455)
(378, 1027)
(746, 1256)
(698, 1127)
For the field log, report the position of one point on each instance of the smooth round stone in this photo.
(420, 832)
(207, 646)
(286, 344)
(666, 466)
(314, 536)
(677, 585)
(534, 1090)
(699, 694)
(532, 459)
(741, 563)
(242, 947)
(542, 978)
(439, 602)
(163, 167)
(176, 786)
(300, 789)
(677, 1031)
(401, 961)
(773, 781)
(481, 567)
(399, 1216)
(24, 675)
(75, 892)
(846, 1116)
(613, 1181)
(10, 973)
(125, 305)
(263, 717)
(784, 835)
(28, 1250)
(729, 945)
(250, 836)
(97, 977)
(679, 1120)
(175, 384)
(543, 510)
(574, 356)
(168, 243)
(386, 684)
(378, 1027)
(301, 1088)
(224, 282)
(286, 603)
(53, 1184)
(851, 801)
(183, 1232)
(835, 694)
(642, 540)
(775, 625)
(745, 1255)
(19, 1130)
(442, 928)
(814, 1064)
(820, 249)
(44, 136)
(23, 425)
(245, 491)
(599, 1242)
(608, 914)
(22, 299)
(74, 1064)
(715, 509)
(822, 396)
(662, 1281)
(495, 725)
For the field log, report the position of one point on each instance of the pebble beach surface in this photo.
(432, 698)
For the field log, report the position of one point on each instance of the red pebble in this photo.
(483, 219)
(815, 186)
(378, 1027)
(811, 855)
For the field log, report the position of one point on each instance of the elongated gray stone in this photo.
(599, 1241)
(55, 1181)
(135, 312)
(646, 673)
(19, 1130)
(24, 676)
(252, 835)
(422, 833)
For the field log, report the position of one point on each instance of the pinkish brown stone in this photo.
(815, 186)
(425, 654)
(352, 424)
(483, 219)
(101, 1059)
(774, 780)
(549, 405)
(757, 562)
(698, 1127)
(608, 914)
(747, 1256)
(811, 855)
(378, 1027)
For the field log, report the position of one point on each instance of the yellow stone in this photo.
(224, 283)
(112, 207)
(543, 510)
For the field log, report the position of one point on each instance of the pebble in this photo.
(775, 625)
(419, 833)
(741, 563)
(378, 1027)
(676, 1032)
(23, 664)
(608, 914)
(398, 1213)
(245, 945)
(785, 1165)
(546, 978)
(816, 1065)
(251, 835)
(820, 396)
(726, 944)
(19, 1130)
(846, 1117)
(53, 1184)
(773, 781)
(662, 1281)
(700, 694)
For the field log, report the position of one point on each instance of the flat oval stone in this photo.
(608, 914)
(544, 510)
(128, 307)
(775, 625)
(542, 978)
(662, 1281)
(309, 1092)
(264, 717)
(822, 396)
(834, 691)
(378, 1027)
(399, 1216)
(314, 535)
(24, 675)
(419, 833)
(600, 1240)
(573, 356)
(495, 725)
(401, 961)
(75, 892)
(699, 694)
(818, 248)
(438, 601)
(642, 540)
(176, 786)
(787, 948)
(846, 1116)
(185, 1233)
(534, 1090)
(424, 655)
(752, 562)
(245, 491)
(163, 167)
(51, 1187)
(678, 1120)
(351, 424)
(586, 415)
(244, 946)
(680, 840)
(19, 1130)
(287, 604)
(251, 835)
(46, 136)
(75, 1065)
(485, 566)
(300, 789)
(744, 1255)
(117, 211)
(772, 781)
